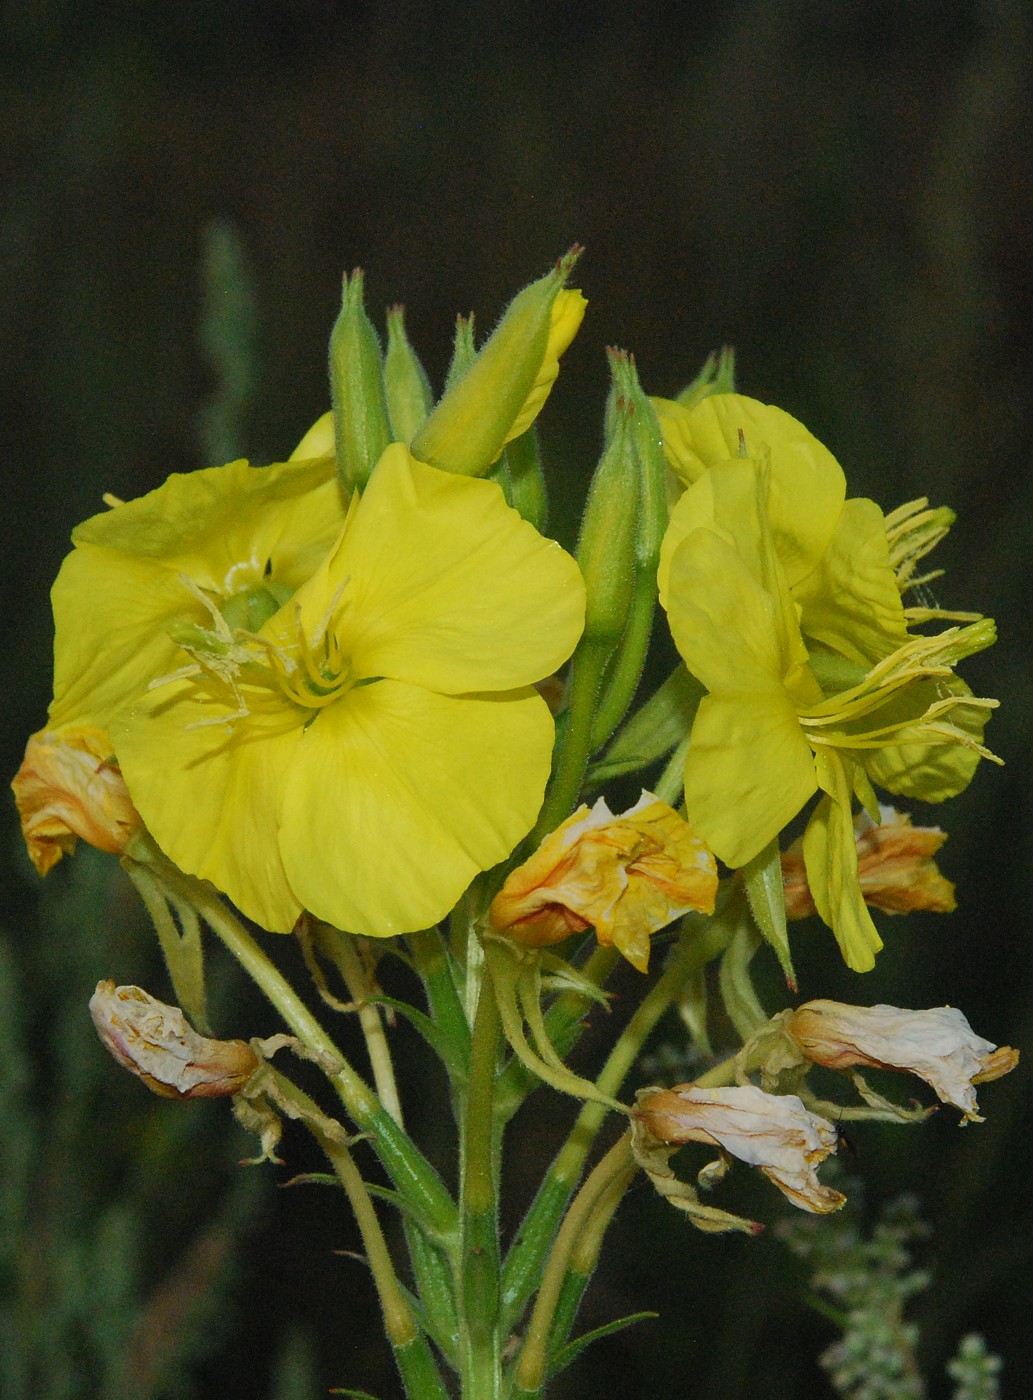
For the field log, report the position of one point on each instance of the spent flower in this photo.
(937, 1045)
(627, 876)
(68, 788)
(155, 1042)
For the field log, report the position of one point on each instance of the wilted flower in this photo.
(773, 1132)
(938, 1046)
(627, 875)
(69, 786)
(895, 868)
(157, 1044)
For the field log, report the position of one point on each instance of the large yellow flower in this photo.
(360, 744)
(783, 602)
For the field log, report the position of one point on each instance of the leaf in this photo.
(656, 728)
(762, 877)
(573, 1350)
(432, 1033)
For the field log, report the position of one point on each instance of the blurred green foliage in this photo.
(844, 192)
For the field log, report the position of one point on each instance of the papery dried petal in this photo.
(157, 1044)
(773, 1132)
(895, 868)
(937, 1045)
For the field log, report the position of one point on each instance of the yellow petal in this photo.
(318, 441)
(806, 491)
(125, 583)
(210, 792)
(748, 772)
(925, 769)
(396, 798)
(830, 856)
(445, 586)
(722, 621)
(851, 602)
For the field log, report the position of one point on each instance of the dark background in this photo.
(841, 190)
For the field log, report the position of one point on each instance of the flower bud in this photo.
(157, 1044)
(938, 1046)
(606, 543)
(895, 868)
(361, 429)
(406, 385)
(628, 875)
(773, 1132)
(503, 390)
(68, 787)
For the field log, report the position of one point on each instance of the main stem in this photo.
(480, 1360)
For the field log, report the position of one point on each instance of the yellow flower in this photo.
(359, 745)
(783, 603)
(628, 875)
(773, 1132)
(938, 1046)
(68, 787)
(157, 1044)
(895, 868)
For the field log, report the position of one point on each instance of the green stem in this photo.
(612, 1174)
(412, 1174)
(672, 779)
(183, 954)
(576, 744)
(434, 966)
(480, 1362)
(523, 1262)
(340, 948)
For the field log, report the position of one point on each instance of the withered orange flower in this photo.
(895, 868)
(68, 787)
(627, 876)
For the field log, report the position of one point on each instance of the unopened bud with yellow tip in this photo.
(503, 390)
(157, 1044)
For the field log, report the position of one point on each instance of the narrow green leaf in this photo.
(764, 890)
(573, 1349)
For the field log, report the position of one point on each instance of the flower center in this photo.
(248, 673)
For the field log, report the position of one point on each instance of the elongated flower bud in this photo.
(406, 385)
(503, 390)
(157, 1044)
(361, 428)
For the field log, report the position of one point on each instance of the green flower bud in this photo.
(361, 430)
(519, 472)
(716, 377)
(501, 392)
(409, 397)
(464, 351)
(606, 544)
